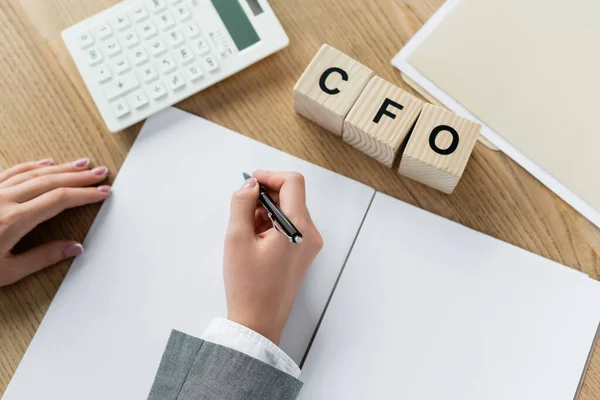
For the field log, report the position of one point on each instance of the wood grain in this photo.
(442, 130)
(381, 137)
(328, 109)
(45, 111)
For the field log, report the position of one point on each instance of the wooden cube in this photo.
(439, 148)
(381, 119)
(329, 87)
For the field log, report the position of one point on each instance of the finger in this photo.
(51, 203)
(262, 222)
(37, 186)
(24, 167)
(243, 206)
(261, 214)
(291, 188)
(78, 165)
(41, 257)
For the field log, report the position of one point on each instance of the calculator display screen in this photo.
(237, 23)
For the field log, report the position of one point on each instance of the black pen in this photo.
(280, 221)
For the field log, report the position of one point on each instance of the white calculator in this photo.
(141, 56)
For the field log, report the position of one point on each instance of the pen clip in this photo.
(279, 228)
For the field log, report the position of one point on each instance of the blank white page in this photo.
(153, 261)
(427, 309)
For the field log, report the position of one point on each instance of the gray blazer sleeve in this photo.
(192, 369)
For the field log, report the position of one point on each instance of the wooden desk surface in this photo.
(45, 111)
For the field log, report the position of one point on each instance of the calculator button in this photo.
(191, 30)
(210, 63)
(122, 22)
(140, 56)
(175, 38)
(167, 64)
(85, 39)
(103, 74)
(120, 86)
(157, 48)
(139, 13)
(94, 56)
(112, 48)
(202, 47)
(176, 81)
(157, 5)
(121, 108)
(147, 30)
(130, 39)
(194, 72)
(149, 73)
(182, 13)
(138, 99)
(157, 90)
(226, 53)
(103, 31)
(184, 56)
(166, 21)
(121, 65)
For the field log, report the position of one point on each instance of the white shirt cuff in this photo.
(237, 337)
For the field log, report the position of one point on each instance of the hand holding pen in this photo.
(280, 221)
(263, 270)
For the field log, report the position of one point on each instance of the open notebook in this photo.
(423, 306)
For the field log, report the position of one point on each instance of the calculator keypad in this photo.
(184, 56)
(158, 90)
(86, 39)
(175, 38)
(148, 30)
(139, 13)
(94, 56)
(111, 48)
(120, 86)
(149, 74)
(122, 22)
(157, 47)
(103, 31)
(167, 64)
(140, 56)
(138, 99)
(157, 5)
(103, 74)
(130, 39)
(121, 108)
(148, 54)
(120, 65)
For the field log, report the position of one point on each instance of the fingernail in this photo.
(45, 161)
(82, 162)
(249, 183)
(100, 171)
(73, 250)
(104, 189)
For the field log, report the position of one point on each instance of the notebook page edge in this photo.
(324, 313)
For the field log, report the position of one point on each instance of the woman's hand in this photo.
(34, 192)
(263, 270)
